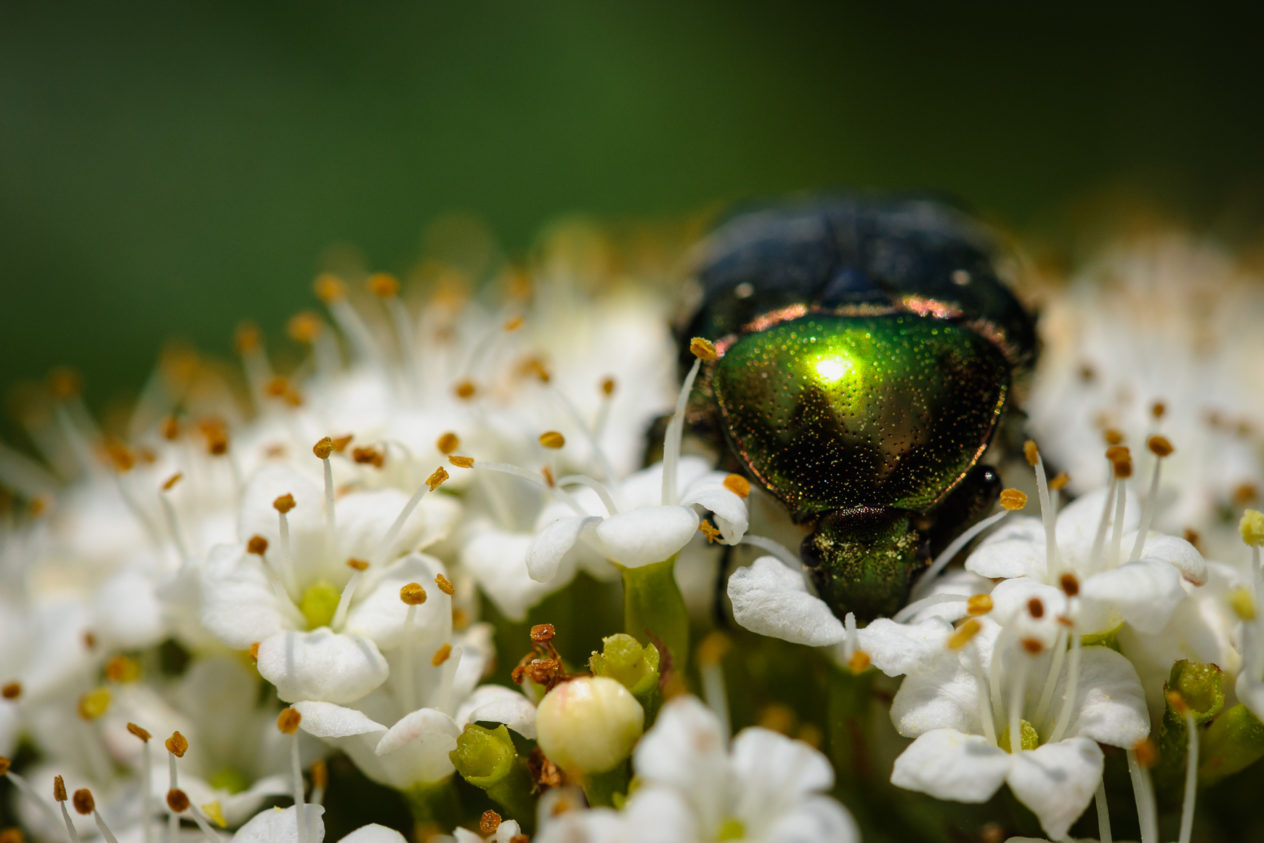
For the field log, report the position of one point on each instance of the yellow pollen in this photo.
(323, 448)
(83, 801)
(462, 462)
(412, 594)
(284, 503)
(59, 789)
(215, 813)
(94, 703)
(139, 732)
(254, 652)
(170, 482)
(357, 564)
(383, 285)
(1242, 602)
(859, 662)
(1059, 481)
(441, 655)
(1013, 499)
(1251, 527)
(11, 690)
(436, 479)
(607, 386)
(738, 485)
(710, 531)
(464, 389)
(1160, 445)
(979, 604)
(488, 823)
(445, 584)
(369, 456)
(329, 288)
(1030, 452)
(967, 630)
(702, 348)
(448, 443)
(304, 327)
(122, 669)
(120, 456)
(177, 744)
(257, 545)
(341, 442)
(288, 720)
(1113, 436)
(177, 800)
(513, 324)
(552, 439)
(713, 648)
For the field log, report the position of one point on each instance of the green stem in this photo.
(608, 789)
(654, 610)
(437, 804)
(850, 696)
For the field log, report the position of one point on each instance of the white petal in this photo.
(327, 720)
(1143, 594)
(374, 833)
(1109, 699)
(730, 511)
(1014, 549)
(280, 825)
(1078, 522)
(496, 704)
(685, 750)
(1175, 551)
(498, 561)
(321, 665)
(948, 764)
(778, 771)
(941, 695)
(814, 819)
(427, 736)
(544, 557)
(648, 535)
(238, 606)
(900, 648)
(377, 612)
(1057, 781)
(770, 599)
(129, 614)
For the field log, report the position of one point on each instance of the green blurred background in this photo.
(167, 169)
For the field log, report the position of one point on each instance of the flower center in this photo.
(318, 603)
(731, 829)
(1028, 739)
(229, 779)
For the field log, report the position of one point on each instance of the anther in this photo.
(121, 669)
(435, 480)
(357, 564)
(288, 720)
(177, 800)
(859, 662)
(4, 765)
(488, 823)
(702, 348)
(1013, 499)
(1036, 608)
(1059, 481)
(383, 285)
(171, 428)
(284, 503)
(1031, 453)
(1032, 646)
(513, 324)
(369, 456)
(445, 584)
(1113, 436)
(64, 382)
(607, 386)
(1146, 752)
(83, 801)
(59, 789)
(323, 448)
(441, 655)
(120, 456)
(1069, 584)
(738, 485)
(1244, 493)
(1251, 527)
(412, 594)
(11, 690)
(979, 604)
(962, 635)
(304, 327)
(710, 531)
(247, 338)
(1158, 409)
(448, 443)
(552, 439)
(462, 462)
(94, 703)
(177, 744)
(464, 389)
(257, 545)
(329, 288)
(139, 732)
(253, 652)
(170, 482)
(1160, 446)
(542, 633)
(549, 480)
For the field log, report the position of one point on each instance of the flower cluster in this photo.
(312, 580)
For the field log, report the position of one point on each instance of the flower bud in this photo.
(588, 725)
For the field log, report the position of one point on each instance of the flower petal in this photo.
(1109, 700)
(770, 599)
(495, 704)
(1057, 781)
(327, 720)
(280, 825)
(900, 648)
(238, 605)
(321, 665)
(544, 556)
(374, 833)
(1174, 551)
(428, 736)
(644, 536)
(949, 764)
(1014, 549)
(730, 511)
(1143, 594)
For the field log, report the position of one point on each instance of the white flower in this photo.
(966, 708)
(695, 787)
(280, 825)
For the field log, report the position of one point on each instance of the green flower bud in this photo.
(588, 725)
(633, 665)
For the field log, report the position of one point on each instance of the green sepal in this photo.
(633, 665)
(1200, 688)
(487, 759)
(1109, 638)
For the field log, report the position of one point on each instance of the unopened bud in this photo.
(589, 725)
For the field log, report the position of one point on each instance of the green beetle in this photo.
(866, 354)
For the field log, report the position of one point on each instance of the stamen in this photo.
(386, 287)
(1069, 691)
(411, 595)
(603, 410)
(1053, 562)
(607, 500)
(949, 553)
(1139, 759)
(1123, 470)
(358, 567)
(1161, 448)
(59, 795)
(1016, 694)
(1051, 679)
(319, 773)
(703, 350)
(24, 787)
(1099, 537)
(1103, 813)
(711, 652)
(173, 523)
(147, 808)
(288, 722)
(85, 804)
(434, 481)
(283, 505)
(333, 292)
(322, 450)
